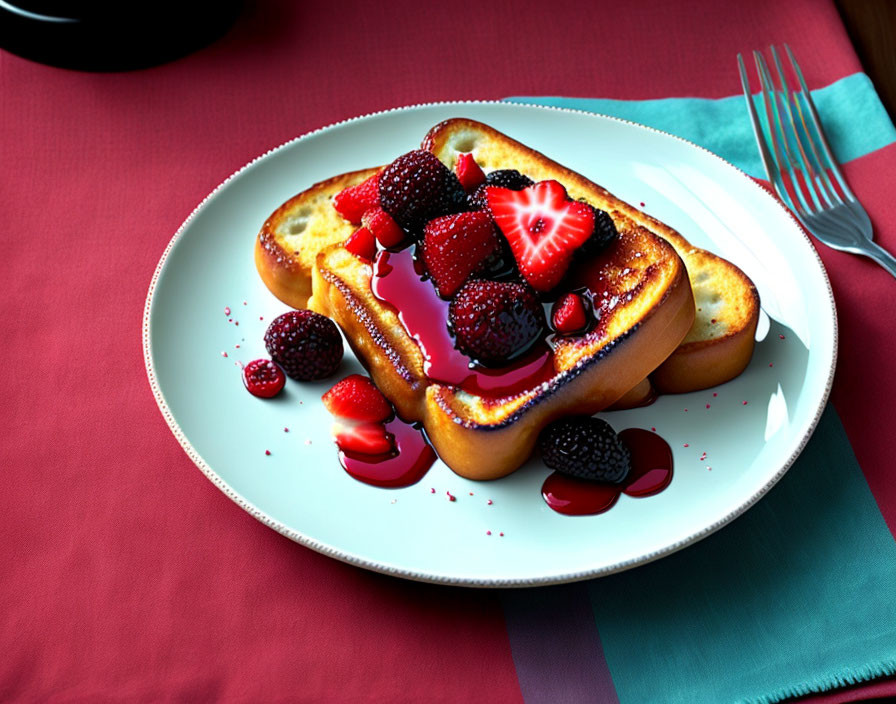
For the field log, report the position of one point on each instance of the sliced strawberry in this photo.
(356, 397)
(362, 244)
(468, 172)
(456, 246)
(364, 438)
(383, 227)
(569, 314)
(543, 228)
(352, 202)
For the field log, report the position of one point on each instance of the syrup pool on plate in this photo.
(406, 465)
(651, 472)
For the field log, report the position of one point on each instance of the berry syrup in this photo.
(398, 281)
(405, 466)
(651, 473)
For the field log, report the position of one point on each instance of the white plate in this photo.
(300, 489)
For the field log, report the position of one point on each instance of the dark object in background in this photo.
(111, 36)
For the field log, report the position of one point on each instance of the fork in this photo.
(799, 163)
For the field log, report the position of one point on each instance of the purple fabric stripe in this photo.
(556, 647)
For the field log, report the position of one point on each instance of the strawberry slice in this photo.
(362, 244)
(352, 202)
(357, 398)
(468, 172)
(364, 438)
(543, 228)
(383, 227)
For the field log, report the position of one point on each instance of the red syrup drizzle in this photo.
(651, 473)
(398, 281)
(407, 465)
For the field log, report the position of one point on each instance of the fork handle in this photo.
(881, 256)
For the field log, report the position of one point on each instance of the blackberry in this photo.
(508, 178)
(587, 448)
(605, 233)
(417, 187)
(503, 178)
(495, 321)
(305, 344)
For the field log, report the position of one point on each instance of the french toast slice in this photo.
(640, 285)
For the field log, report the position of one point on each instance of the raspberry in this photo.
(306, 344)
(456, 246)
(263, 378)
(352, 202)
(587, 448)
(505, 178)
(605, 233)
(495, 321)
(417, 187)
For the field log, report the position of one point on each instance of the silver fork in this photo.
(799, 162)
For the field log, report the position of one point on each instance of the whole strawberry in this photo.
(305, 344)
(417, 187)
(496, 321)
(456, 246)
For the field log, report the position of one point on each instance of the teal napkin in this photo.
(796, 596)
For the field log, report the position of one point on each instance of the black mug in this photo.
(111, 36)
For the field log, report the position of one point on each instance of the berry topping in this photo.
(362, 244)
(383, 227)
(543, 228)
(306, 344)
(357, 397)
(416, 187)
(504, 178)
(587, 448)
(509, 178)
(364, 438)
(456, 246)
(570, 314)
(605, 233)
(352, 202)
(495, 321)
(263, 378)
(468, 172)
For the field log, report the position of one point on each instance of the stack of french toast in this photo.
(631, 308)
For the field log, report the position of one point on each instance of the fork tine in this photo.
(808, 146)
(768, 161)
(778, 138)
(771, 164)
(810, 161)
(816, 123)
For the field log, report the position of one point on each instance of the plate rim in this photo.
(443, 579)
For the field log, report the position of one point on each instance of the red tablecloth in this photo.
(126, 574)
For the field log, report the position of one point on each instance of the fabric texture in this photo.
(128, 576)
